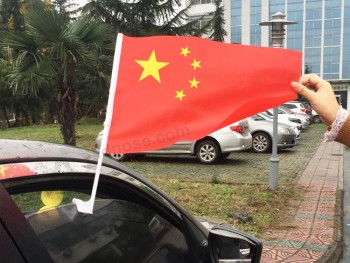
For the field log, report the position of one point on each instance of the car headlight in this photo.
(283, 130)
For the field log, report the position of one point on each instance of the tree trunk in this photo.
(67, 101)
(26, 118)
(5, 118)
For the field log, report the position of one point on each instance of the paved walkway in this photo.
(313, 233)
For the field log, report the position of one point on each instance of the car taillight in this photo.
(302, 109)
(238, 128)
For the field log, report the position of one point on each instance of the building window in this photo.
(236, 22)
(202, 22)
(200, 2)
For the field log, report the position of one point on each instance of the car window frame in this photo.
(130, 193)
(175, 215)
(27, 243)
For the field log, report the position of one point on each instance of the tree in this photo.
(144, 17)
(218, 22)
(65, 7)
(6, 96)
(12, 13)
(49, 53)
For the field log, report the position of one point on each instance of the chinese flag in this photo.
(170, 88)
(14, 170)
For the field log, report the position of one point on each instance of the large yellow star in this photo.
(151, 67)
(2, 170)
(194, 83)
(180, 94)
(185, 51)
(196, 64)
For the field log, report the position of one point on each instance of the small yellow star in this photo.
(194, 83)
(196, 64)
(185, 51)
(3, 169)
(180, 94)
(151, 67)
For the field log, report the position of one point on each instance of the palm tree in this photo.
(48, 54)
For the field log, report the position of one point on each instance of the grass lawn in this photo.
(240, 184)
(86, 133)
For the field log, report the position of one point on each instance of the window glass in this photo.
(117, 231)
(236, 34)
(197, 2)
(201, 22)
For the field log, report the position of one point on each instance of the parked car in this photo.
(305, 119)
(210, 149)
(291, 117)
(132, 221)
(314, 115)
(307, 107)
(295, 106)
(295, 123)
(298, 107)
(262, 133)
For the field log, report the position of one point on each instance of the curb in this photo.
(335, 252)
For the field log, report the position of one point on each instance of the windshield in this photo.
(265, 116)
(285, 110)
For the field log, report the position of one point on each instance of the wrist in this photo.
(335, 114)
(333, 129)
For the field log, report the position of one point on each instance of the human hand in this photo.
(320, 95)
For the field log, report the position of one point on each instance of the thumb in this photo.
(302, 90)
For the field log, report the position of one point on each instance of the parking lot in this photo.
(239, 168)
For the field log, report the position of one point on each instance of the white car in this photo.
(295, 106)
(210, 149)
(283, 119)
(315, 117)
(299, 108)
(287, 117)
(305, 119)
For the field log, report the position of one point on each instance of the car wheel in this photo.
(316, 119)
(208, 152)
(261, 142)
(118, 156)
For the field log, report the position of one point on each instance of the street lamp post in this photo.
(277, 36)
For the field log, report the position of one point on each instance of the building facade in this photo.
(322, 33)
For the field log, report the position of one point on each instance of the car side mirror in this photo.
(229, 245)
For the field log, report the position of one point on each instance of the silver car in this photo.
(210, 149)
(262, 133)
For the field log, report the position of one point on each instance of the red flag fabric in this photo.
(171, 88)
(14, 170)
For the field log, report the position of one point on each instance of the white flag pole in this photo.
(88, 206)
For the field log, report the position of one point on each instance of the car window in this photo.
(286, 110)
(290, 106)
(281, 111)
(117, 231)
(257, 118)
